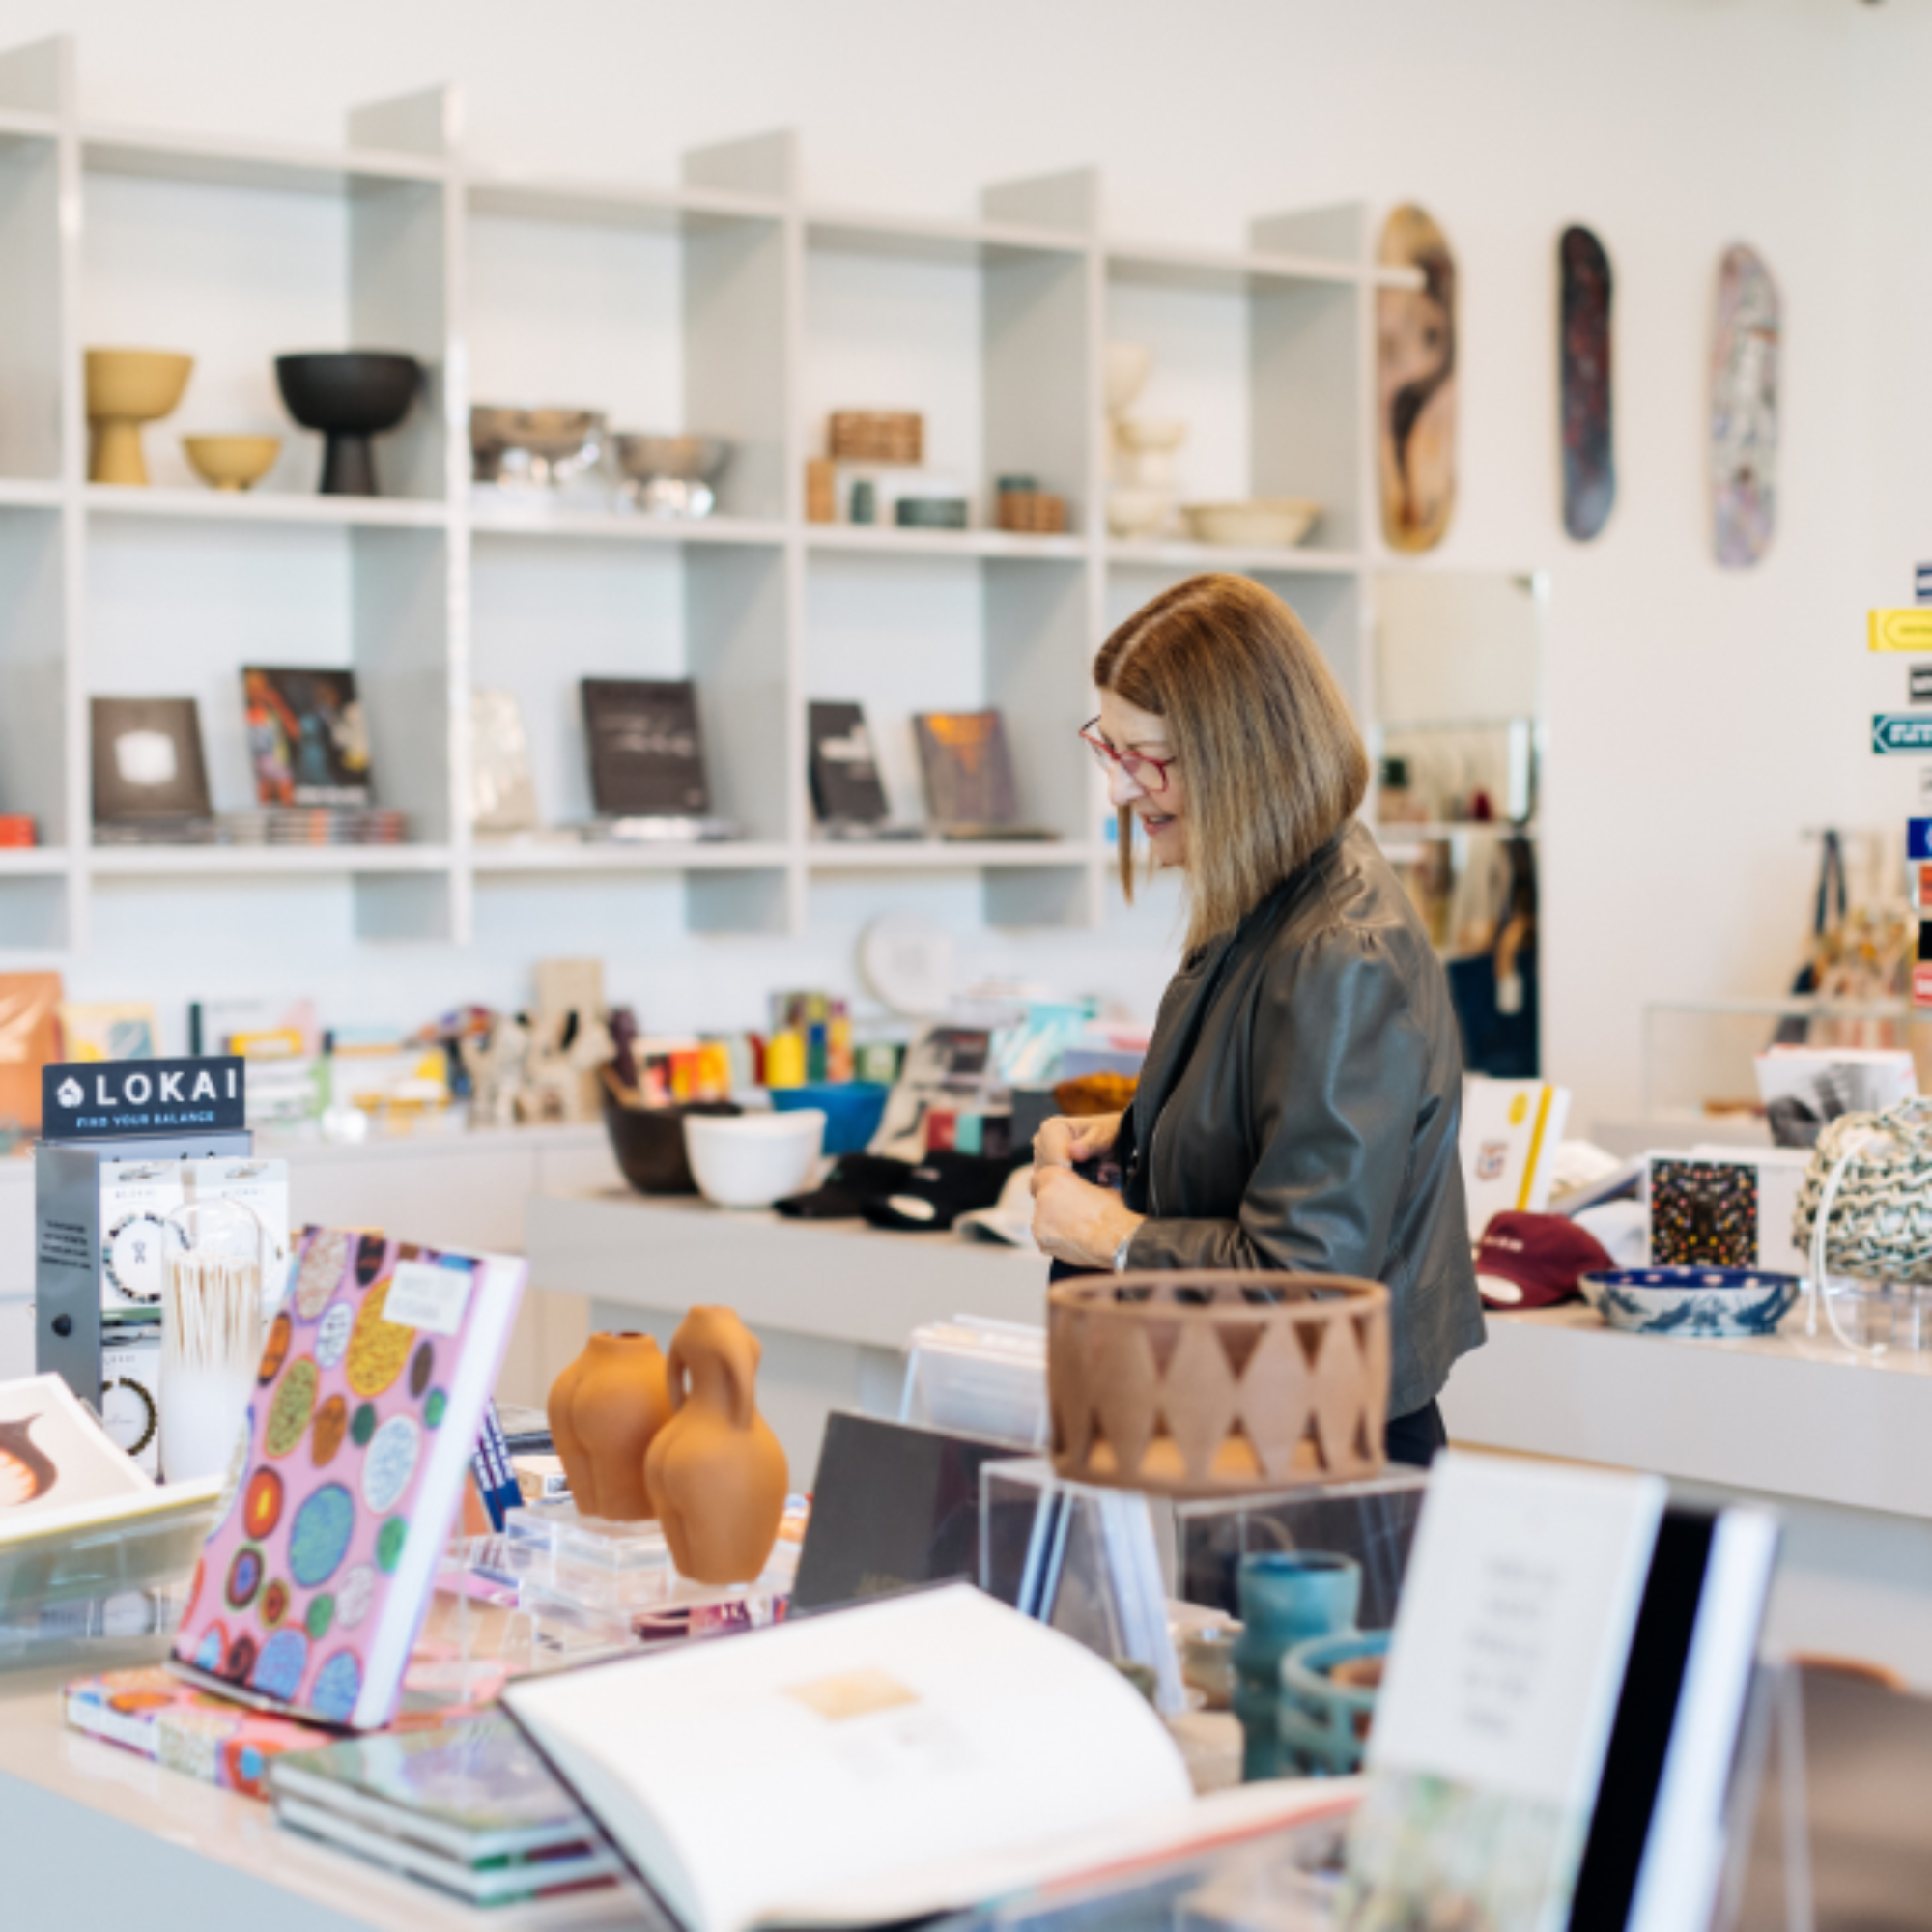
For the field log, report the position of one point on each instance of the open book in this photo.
(914, 1755)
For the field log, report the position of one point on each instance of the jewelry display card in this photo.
(136, 1199)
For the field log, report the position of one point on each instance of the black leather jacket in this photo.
(1299, 1107)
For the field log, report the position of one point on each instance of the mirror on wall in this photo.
(1459, 751)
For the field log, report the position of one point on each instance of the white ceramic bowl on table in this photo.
(751, 1160)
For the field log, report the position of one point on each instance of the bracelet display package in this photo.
(130, 1391)
(136, 1199)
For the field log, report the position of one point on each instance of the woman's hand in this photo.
(1076, 1222)
(1066, 1139)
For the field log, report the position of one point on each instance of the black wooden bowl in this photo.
(649, 1142)
(350, 397)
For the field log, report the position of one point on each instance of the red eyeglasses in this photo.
(1149, 774)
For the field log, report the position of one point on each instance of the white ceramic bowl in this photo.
(1267, 521)
(1128, 365)
(749, 1160)
(1137, 513)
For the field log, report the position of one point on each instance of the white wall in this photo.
(1698, 718)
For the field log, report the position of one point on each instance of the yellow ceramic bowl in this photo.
(140, 385)
(232, 462)
(126, 387)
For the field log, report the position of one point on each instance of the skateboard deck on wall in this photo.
(1583, 385)
(1743, 410)
(1416, 385)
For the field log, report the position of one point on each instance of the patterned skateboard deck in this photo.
(1583, 353)
(1743, 410)
(1416, 385)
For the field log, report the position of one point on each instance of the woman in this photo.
(1299, 1103)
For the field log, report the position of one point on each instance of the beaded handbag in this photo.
(1865, 1205)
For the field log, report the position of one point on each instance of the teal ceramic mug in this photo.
(1288, 1596)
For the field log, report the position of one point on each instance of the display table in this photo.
(93, 1835)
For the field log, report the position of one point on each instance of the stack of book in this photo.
(468, 1808)
(313, 825)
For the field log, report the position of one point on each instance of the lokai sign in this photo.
(84, 1100)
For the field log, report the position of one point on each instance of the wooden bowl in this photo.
(232, 462)
(1209, 1383)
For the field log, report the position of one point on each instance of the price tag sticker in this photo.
(423, 1295)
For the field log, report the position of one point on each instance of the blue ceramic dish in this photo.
(852, 1108)
(1691, 1300)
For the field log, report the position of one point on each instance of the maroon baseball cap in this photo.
(1534, 1261)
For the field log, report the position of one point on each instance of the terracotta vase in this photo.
(715, 1469)
(605, 1410)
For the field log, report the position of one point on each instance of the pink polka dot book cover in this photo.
(315, 1580)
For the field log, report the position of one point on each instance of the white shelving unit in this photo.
(725, 304)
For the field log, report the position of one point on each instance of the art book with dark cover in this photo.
(372, 1389)
(968, 771)
(147, 759)
(845, 788)
(646, 749)
(306, 735)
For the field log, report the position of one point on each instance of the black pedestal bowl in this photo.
(349, 397)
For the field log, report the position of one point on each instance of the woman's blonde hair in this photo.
(1271, 759)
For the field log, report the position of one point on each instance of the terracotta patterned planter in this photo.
(1217, 1383)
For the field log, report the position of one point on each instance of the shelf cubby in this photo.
(31, 306)
(309, 255)
(1292, 425)
(177, 608)
(545, 616)
(667, 318)
(985, 331)
(34, 751)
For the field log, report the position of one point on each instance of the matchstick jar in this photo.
(210, 1334)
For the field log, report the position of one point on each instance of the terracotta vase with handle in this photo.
(715, 1469)
(605, 1410)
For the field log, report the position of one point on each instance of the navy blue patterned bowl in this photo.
(1693, 1301)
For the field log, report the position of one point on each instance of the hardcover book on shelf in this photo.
(372, 1393)
(469, 1807)
(503, 794)
(845, 787)
(110, 1030)
(29, 1040)
(307, 736)
(646, 747)
(969, 775)
(147, 761)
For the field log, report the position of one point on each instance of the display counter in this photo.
(93, 1835)
(1841, 1444)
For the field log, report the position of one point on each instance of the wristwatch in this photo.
(1120, 1254)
